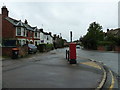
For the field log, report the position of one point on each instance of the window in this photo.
(27, 34)
(24, 32)
(38, 35)
(31, 34)
(36, 43)
(8, 43)
(35, 34)
(19, 42)
(19, 31)
(47, 38)
(23, 42)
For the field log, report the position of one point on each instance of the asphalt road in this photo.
(49, 70)
(110, 59)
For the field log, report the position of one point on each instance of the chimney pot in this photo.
(4, 11)
(26, 22)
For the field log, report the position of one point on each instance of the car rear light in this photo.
(29, 48)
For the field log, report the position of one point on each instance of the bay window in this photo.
(18, 31)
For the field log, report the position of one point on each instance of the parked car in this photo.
(77, 46)
(32, 48)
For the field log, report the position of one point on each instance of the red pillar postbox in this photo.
(72, 49)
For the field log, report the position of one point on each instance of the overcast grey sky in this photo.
(63, 17)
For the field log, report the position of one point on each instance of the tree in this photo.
(93, 36)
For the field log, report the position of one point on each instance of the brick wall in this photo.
(8, 30)
(23, 51)
(101, 48)
(6, 51)
(117, 48)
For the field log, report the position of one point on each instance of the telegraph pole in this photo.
(70, 36)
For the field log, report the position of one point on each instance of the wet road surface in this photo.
(110, 59)
(49, 70)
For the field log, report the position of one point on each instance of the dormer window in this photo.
(18, 31)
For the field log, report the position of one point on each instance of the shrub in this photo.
(105, 43)
(45, 47)
(49, 47)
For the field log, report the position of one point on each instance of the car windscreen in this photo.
(32, 46)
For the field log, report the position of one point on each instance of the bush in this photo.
(109, 45)
(105, 43)
(45, 47)
(49, 47)
(41, 47)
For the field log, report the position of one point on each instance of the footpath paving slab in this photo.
(51, 70)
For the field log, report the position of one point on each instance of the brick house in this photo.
(16, 33)
(36, 36)
(115, 32)
(22, 32)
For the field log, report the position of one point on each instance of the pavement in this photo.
(52, 70)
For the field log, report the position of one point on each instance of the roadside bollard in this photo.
(68, 54)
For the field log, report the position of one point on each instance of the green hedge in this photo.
(109, 45)
(104, 43)
(49, 47)
(45, 47)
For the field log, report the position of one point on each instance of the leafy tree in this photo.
(93, 36)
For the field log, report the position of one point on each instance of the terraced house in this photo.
(45, 38)
(18, 33)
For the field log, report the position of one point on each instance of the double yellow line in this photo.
(113, 81)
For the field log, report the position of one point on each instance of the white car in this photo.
(77, 46)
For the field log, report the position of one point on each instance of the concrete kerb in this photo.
(104, 74)
(101, 64)
(104, 77)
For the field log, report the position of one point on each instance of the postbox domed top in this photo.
(73, 43)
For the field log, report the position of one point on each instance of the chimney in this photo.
(54, 35)
(50, 33)
(107, 30)
(5, 11)
(26, 22)
(41, 30)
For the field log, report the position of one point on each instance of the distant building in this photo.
(45, 38)
(59, 42)
(115, 32)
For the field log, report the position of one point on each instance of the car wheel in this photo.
(34, 52)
